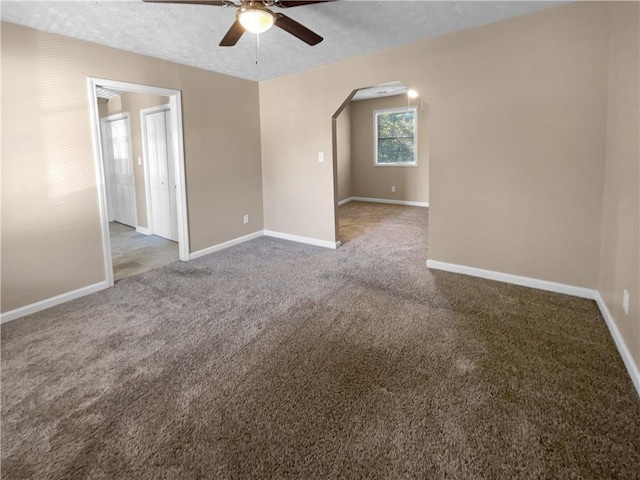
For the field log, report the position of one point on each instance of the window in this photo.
(395, 132)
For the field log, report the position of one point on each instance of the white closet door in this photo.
(171, 165)
(121, 193)
(161, 175)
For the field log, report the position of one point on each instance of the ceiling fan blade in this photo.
(294, 3)
(217, 3)
(297, 29)
(233, 35)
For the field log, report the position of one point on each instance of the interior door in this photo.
(162, 182)
(120, 182)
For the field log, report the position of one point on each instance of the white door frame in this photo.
(175, 102)
(127, 117)
(145, 158)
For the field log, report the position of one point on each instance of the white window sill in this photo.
(395, 164)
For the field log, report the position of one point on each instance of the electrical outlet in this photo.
(625, 302)
(139, 160)
(246, 219)
(393, 188)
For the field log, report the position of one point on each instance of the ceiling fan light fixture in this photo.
(255, 19)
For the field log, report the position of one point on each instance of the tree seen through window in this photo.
(395, 131)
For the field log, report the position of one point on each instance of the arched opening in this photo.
(380, 152)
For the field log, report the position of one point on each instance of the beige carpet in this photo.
(273, 359)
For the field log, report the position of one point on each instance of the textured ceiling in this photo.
(189, 34)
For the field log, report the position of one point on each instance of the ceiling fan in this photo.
(255, 16)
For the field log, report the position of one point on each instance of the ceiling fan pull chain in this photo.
(257, 45)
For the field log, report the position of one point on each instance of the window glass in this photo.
(395, 136)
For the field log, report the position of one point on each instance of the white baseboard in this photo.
(51, 302)
(383, 200)
(268, 233)
(627, 359)
(514, 279)
(222, 246)
(143, 230)
(592, 294)
(300, 239)
(81, 292)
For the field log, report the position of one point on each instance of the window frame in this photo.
(376, 114)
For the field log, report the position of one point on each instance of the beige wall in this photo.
(515, 112)
(51, 233)
(132, 103)
(620, 258)
(222, 145)
(368, 180)
(343, 145)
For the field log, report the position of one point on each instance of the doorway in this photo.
(380, 153)
(138, 148)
